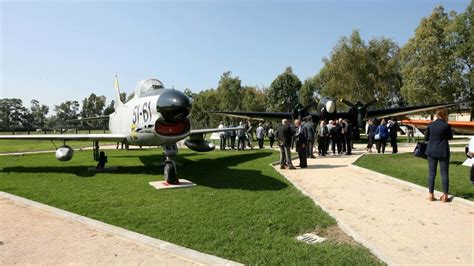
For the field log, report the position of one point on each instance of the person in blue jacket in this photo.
(437, 134)
(381, 136)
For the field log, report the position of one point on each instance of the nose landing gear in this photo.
(170, 172)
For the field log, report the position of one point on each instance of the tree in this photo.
(67, 110)
(283, 92)
(12, 113)
(38, 114)
(110, 108)
(229, 92)
(429, 61)
(311, 87)
(123, 97)
(189, 93)
(253, 99)
(357, 71)
(462, 30)
(203, 102)
(93, 106)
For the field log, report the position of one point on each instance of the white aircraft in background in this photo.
(155, 116)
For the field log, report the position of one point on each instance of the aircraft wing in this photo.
(88, 137)
(399, 111)
(255, 115)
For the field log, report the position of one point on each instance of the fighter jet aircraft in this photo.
(327, 110)
(155, 116)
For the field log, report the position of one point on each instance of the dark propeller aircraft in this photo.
(326, 110)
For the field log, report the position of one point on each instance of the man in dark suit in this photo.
(301, 143)
(309, 125)
(392, 130)
(437, 134)
(284, 135)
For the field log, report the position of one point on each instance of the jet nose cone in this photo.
(173, 105)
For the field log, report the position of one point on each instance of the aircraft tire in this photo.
(170, 173)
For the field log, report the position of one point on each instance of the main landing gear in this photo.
(170, 171)
(99, 156)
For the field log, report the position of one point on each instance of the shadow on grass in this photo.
(210, 172)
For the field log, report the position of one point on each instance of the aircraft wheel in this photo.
(170, 173)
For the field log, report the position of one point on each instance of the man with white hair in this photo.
(222, 136)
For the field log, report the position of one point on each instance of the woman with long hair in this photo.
(437, 134)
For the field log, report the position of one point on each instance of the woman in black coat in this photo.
(437, 134)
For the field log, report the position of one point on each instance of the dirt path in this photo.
(30, 235)
(390, 217)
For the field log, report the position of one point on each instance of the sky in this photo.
(55, 51)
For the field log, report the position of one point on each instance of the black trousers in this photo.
(444, 169)
(343, 143)
(222, 143)
(241, 143)
(380, 144)
(370, 142)
(322, 146)
(260, 143)
(272, 140)
(348, 145)
(302, 154)
(393, 143)
(232, 142)
(336, 143)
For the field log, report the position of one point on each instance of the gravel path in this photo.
(392, 218)
(37, 234)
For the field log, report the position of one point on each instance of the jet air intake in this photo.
(173, 105)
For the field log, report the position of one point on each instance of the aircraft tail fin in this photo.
(118, 101)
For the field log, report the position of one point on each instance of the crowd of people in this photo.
(336, 136)
(332, 136)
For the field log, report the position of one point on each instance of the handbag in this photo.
(420, 150)
(377, 136)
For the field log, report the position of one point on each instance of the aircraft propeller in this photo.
(359, 109)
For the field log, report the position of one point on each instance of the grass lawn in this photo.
(407, 167)
(241, 208)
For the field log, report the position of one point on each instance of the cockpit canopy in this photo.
(149, 87)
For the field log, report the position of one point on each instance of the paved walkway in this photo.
(33, 233)
(392, 218)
